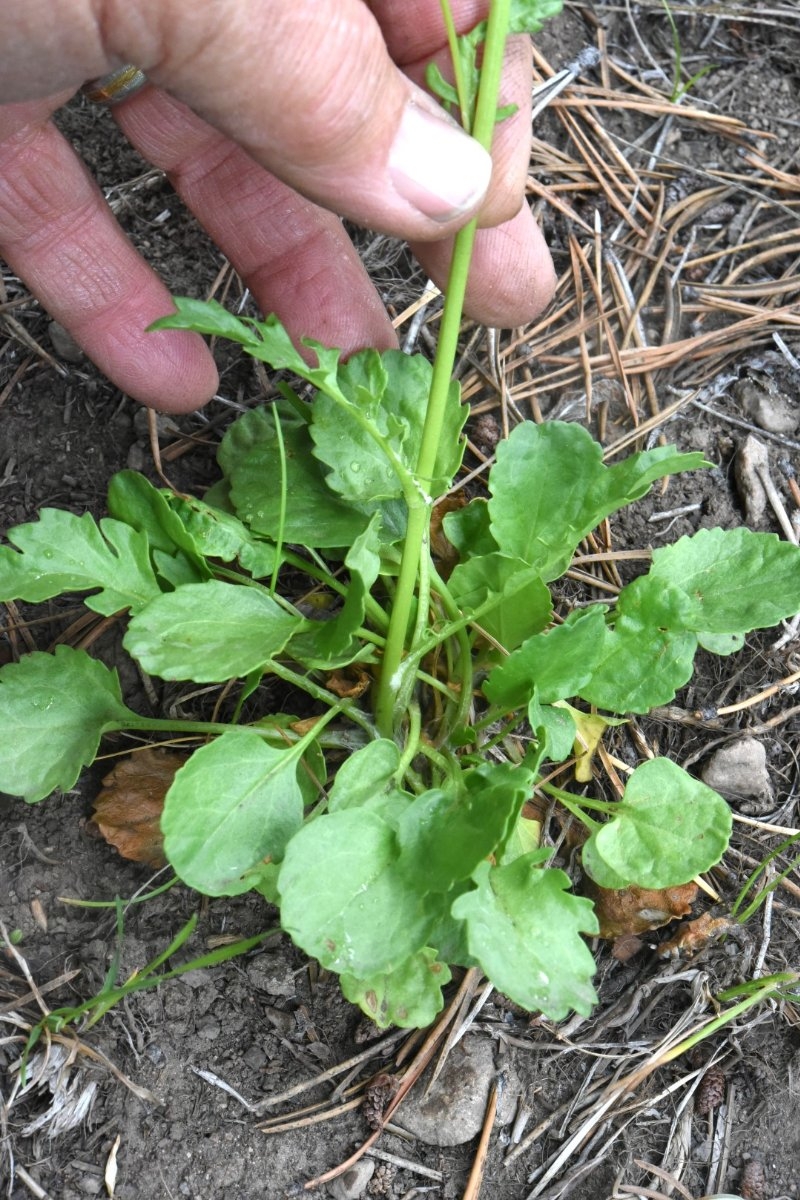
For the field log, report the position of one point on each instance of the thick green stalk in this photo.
(420, 509)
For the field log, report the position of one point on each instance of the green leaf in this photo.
(556, 726)
(371, 440)
(667, 828)
(468, 529)
(266, 340)
(133, 499)
(738, 580)
(648, 654)
(331, 643)
(524, 927)
(235, 803)
(364, 775)
(209, 632)
(54, 708)
(556, 663)
(528, 16)
(409, 997)
(444, 835)
(215, 533)
(343, 899)
(250, 456)
(64, 553)
(524, 606)
(550, 489)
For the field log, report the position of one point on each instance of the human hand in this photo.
(270, 118)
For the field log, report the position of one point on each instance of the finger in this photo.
(511, 277)
(294, 256)
(57, 234)
(308, 89)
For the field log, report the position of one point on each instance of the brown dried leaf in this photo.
(127, 812)
(694, 936)
(635, 910)
(350, 682)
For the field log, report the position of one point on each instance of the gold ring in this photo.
(117, 86)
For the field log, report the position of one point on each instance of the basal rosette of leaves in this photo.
(415, 857)
(389, 835)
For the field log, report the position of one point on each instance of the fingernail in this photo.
(435, 166)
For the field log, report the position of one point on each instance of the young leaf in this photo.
(133, 499)
(524, 606)
(209, 632)
(648, 654)
(54, 708)
(738, 580)
(667, 828)
(524, 927)
(332, 643)
(364, 775)
(554, 726)
(550, 488)
(266, 340)
(556, 663)
(215, 533)
(410, 996)
(343, 899)
(235, 803)
(468, 529)
(64, 553)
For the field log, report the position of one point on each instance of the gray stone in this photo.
(454, 1110)
(751, 459)
(64, 343)
(354, 1182)
(739, 772)
(768, 407)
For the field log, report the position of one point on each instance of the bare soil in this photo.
(151, 1070)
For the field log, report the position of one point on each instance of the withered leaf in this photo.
(127, 812)
(635, 910)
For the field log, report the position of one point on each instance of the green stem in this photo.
(420, 508)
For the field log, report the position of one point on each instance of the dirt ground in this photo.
(151, 1072)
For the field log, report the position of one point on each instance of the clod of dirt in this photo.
(354, 1182)
(453, 1111)
(739, 772)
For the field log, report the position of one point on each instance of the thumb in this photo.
(307, 87)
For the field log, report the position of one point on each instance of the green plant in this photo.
(392, 838)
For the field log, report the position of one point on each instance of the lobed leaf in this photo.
(62, 552)
(523, 604)
(550, 488)
(667, 828)
(209, 632)
(648, 654)
(410, 996)
(556, 663)
(54, 708)
(233, 805)
(524, 929)
(371, 438)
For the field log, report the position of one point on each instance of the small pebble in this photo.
(64, 343)
(739, 772)
(353, 1183)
